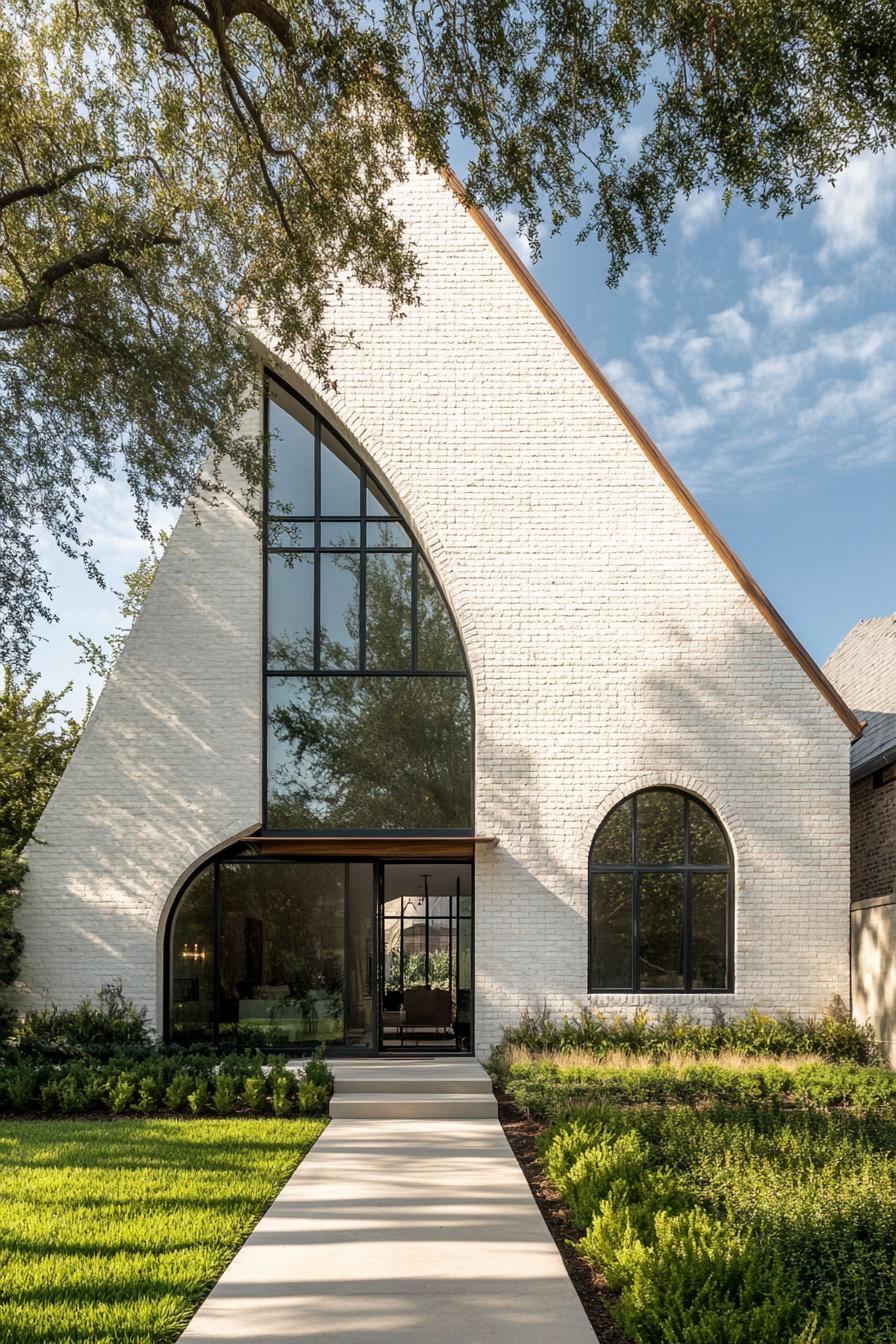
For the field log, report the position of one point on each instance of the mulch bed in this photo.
(594, 1293)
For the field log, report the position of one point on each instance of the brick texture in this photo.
(609, 649)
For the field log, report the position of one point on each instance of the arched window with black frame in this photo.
(660, 897)
(368, 704)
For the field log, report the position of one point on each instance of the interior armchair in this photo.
(427, 1011)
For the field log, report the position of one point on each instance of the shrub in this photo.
(19, 1086)
(255, 1092)
(120, 1094)
(835, 1036)
(283, 1089)
(313, 1097)
(198, 1098)
(226, 1092)
(318, 1071)
(736, 1224)
(113, 1023)
(178, 1090)
(149, 1092)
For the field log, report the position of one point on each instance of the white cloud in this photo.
(685, 421)
(509, 224)
(788, 302)
(730, 328)
(640, 278)
(852, 212)
(696, 212)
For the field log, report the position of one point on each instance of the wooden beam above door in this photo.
(370, 846)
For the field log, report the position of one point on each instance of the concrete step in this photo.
(409, 1079)
(396, 1105)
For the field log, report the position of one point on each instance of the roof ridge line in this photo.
(731, 561)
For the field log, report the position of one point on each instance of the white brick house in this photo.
(613, 644)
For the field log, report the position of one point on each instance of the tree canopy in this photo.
(168, 168)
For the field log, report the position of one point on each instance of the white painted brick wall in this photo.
(609, 648)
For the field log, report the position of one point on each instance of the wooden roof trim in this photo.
(522, 273)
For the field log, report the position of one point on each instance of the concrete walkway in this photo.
(399, 1231)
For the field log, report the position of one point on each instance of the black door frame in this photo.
(376, 896)
(380, 866)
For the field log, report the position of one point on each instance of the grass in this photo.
(577, 1058)
(112, 1232)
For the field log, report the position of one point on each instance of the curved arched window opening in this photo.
(367, 695)
(660, 897)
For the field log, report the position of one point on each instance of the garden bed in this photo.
(709, 1192)
(113, 1233)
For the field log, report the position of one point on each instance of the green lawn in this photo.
(111, 1232)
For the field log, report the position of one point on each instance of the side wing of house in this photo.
(863, 667)
(611, 649)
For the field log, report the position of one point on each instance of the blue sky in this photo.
(759, 353)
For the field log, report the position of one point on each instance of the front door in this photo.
(426, 956)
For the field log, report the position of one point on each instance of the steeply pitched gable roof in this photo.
(656, 458)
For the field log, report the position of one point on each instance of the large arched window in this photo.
(660, 897)
(367, 697)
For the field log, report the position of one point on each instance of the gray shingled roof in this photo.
(877, 745)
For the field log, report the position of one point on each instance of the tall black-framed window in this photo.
(368, 707)
(660, 897)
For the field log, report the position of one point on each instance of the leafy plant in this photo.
(89, 1029)
(226, 1092)
(178, 1090)
(283, 1090)
(255, 1092)
(121, 1092)
(313, 1098)
(198, 1098)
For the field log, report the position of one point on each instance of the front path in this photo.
(399, 1231)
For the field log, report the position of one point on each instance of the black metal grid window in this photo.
(660, 901)
(367, 702)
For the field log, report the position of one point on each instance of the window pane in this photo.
(290, 642)
(192, 961)
(660, 821)
(387, 534)
(340, 595)
(369, 753)
(438, 647)
(282, 965)
(377, 503)
(611, 931)
(340, 479)
(389, 612)
(613, 842)
(343, 535)
(291, 456)
(661, 949)
(291, 534)
(707, 837)
(709, 930)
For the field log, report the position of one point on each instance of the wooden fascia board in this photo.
(524, 276)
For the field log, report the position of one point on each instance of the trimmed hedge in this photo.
(835, 1036)
(154, 1082)
(736, 1225)
(547, 1090)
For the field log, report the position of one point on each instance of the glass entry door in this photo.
(426, 995)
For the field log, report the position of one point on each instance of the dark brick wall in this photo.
(873, 839)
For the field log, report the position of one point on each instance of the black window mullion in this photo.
(317, 450)
(636, 929)
(688, 919)
(362, 579)
(216, 953)
(414, 563)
